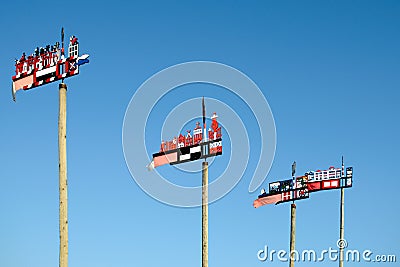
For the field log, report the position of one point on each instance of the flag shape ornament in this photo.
(163, 159)
(267, 199)
(82, 60)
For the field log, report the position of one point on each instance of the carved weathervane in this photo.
(47, 64)
(300, 187)
(184, 148)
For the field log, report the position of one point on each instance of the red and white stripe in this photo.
(31, 79)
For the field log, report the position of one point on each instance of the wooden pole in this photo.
(205, 214)
(62, 159)
(292, 234)
(341, 238)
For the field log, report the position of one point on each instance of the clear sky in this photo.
(330, 73)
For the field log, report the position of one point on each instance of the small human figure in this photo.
(23, 57)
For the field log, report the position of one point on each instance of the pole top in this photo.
(62, 85)
(294, 168)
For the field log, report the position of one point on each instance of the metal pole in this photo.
(62, 158)
(292, 234)
(205, 214)
(342, 243)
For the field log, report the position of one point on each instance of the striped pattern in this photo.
(188, 153)
(33, 78)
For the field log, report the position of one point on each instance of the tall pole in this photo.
(204, 255)
(292, 234)
(62, 158)
(293, 220)
(341, 238)
(341, 247)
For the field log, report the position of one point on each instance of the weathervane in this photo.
(190, 148)
(300, 187)
(44, 66)
(47, 64)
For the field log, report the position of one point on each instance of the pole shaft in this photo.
(205, 214)
(62, 158)
(341, 248)
(292, 234)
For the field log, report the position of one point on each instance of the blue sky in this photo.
(329, 70)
